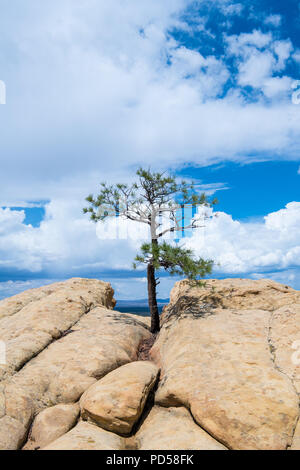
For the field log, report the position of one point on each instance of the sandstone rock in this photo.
(220, 364)
(14, 304)
(173, 429)
(99, 342)
(117, 401)
(47, 316)
(285, 341)
(229, 355)
(12, 433)
(296, 441)
(53, 423)
(231, 293)
(85, 437)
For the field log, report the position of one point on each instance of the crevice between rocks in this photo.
(131, 442)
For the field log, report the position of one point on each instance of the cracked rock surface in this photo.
(227, 354)
(92, 341)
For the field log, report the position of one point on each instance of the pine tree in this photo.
(154, 198)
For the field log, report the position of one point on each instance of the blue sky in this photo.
(205, 89)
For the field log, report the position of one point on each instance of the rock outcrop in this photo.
(173, 429)
(63, 346)
(117, 401)
(51, 424)
(224, 372)
(85, 436)
(225, 351)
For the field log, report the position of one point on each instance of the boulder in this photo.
(51, 424)
(85, 437)
(117, 401)
(12, 433)
(28, 326)
(230, 293)
(103, 290)
(221, 364)
(173, 429)
(229, 356)
(99, 342)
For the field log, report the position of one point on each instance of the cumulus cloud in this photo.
(273, 20)
(239, 247)
(259, 60)
(58, 249)
(97, 87)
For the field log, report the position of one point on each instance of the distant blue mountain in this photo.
(138, 307)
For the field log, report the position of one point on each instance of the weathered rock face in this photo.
(85, 436)
(229, 355)
(173, 429)
(232, 366)
(83, 343)
(102, 292)
(31, 321)
(242, 294)
(51, 424)
(117, 401)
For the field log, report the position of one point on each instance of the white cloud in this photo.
(283, 51)
(66, 244)
(273, 20)
(97, 87)
(237, 44)
(247, 247)
(259, 60)
(296, 56)
(229, 8)
(256, 69)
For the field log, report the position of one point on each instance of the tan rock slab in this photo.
(13, 305)
(232, 294)
(219, 364)
(12, 433)
(85, 437)
(50, 313)
(117, 401)
(53, 423)
(100, 342)
(285, 341)
(173, 429)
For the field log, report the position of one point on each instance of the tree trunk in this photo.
(155, 322)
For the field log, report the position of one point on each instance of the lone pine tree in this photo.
(152, 200)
